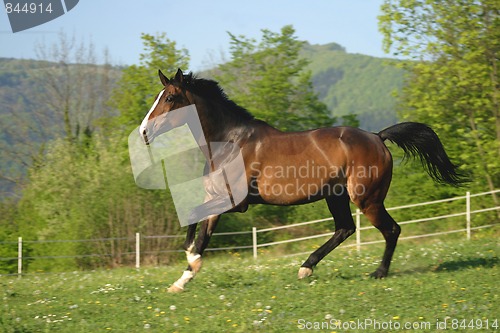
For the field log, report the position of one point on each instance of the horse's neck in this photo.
(219, 124)
(223, 124)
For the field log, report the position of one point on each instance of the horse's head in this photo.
(173, 96)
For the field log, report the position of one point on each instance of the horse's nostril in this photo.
(145, 137)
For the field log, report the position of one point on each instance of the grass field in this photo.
(435, 285)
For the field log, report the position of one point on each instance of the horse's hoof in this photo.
(174, 289)
(305, 272)
(379, 274)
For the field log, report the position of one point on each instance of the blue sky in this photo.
(200, 26)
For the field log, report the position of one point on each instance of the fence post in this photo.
(358, 230)
(467, 215)
(137, 250)
(19, 256)
(254, 242)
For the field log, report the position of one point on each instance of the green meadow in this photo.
(445, 284)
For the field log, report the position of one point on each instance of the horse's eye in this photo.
(170, 98)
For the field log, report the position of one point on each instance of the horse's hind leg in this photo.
(344, 227)
(380, 218)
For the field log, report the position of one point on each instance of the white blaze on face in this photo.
(144, 123)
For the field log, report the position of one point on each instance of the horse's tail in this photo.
(419, 140)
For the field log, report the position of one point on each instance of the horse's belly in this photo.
(289, 186)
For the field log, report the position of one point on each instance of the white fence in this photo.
(467, 213)
(467, 229)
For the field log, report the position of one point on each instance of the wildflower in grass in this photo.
(222, 297)
(172, 307)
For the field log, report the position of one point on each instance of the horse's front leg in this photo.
(194, 250)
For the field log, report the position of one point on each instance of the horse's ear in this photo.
(163, 78)
(179, 76)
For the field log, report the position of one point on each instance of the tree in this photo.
(453, 50)
(60, 95)
(270, 79)
(92, 196)
(139, 84)
(73, 87)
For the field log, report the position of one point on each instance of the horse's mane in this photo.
(210, 90)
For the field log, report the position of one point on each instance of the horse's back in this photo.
(342, 146)
(360, 144)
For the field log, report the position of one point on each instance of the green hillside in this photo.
(355, 84)
(21, 132)
(40, 101)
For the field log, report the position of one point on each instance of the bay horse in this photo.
(337, 164)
